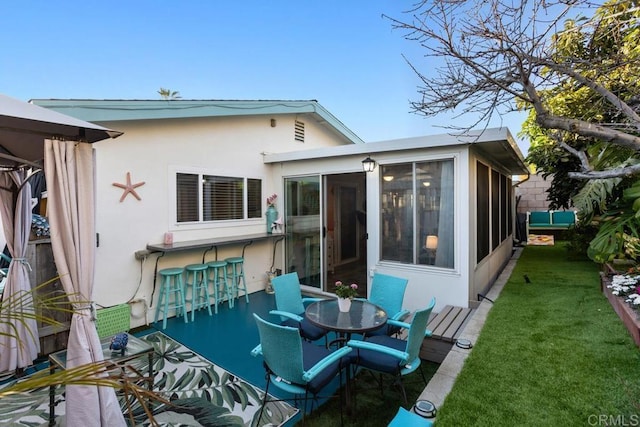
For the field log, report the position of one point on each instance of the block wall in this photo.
(534, 194)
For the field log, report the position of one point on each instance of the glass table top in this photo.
(362, 317)
(135, 347)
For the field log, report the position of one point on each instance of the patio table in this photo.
(363, 317)
(136, 347)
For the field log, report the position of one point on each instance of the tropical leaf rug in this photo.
(201, 394)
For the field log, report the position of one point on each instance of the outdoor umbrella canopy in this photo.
(31, 136)
(24, 126)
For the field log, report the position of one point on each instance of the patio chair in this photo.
(296, 366)
(394, 356)
(113, 320)
(290, 306)
(387, 292)
(406, 418)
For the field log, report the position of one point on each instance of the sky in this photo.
(343, 54)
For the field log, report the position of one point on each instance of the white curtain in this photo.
(445, 252)
(71, 205)
(19, 340)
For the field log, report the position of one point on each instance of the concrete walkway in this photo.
(442, 381)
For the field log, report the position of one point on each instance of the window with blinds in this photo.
(201, 197)
(254, 198)
(187, 198)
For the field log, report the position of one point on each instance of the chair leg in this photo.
(160, 303)
(183, 300)
(404, 392)
(215, 290)
(304, 411)
(424, 379)
(264, 399)
(340, 392)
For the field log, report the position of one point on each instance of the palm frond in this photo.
(35, 304)
(99, 374)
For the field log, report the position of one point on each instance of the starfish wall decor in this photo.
(129, 188)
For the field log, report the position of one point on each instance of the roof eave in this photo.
(127, 110)
(495, 143)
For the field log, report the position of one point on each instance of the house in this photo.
(438, 210)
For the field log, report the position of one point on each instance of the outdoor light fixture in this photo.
(425, 408)
(368, 164)
(463, 343)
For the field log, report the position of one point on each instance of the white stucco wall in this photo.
(150, 151)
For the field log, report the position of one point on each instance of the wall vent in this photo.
(299, 131)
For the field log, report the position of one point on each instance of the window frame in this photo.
(201, 172)
(412, 162)
(499, 222)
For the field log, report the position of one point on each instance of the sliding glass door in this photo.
(303, 227)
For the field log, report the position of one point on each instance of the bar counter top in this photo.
(209, 243)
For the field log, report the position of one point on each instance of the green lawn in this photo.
(552, 352)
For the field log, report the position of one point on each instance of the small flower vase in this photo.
(344, 304)
(272, 216)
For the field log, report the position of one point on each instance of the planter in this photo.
(344, 304)
(628, 316)
(272, 216)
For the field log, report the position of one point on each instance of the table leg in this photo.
(347, 388)
(347, 391)
(52, 397)
(151, 378)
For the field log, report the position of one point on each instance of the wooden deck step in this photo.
(446, 327)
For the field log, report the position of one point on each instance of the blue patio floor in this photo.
(227, 338)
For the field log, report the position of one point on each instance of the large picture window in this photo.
(417, 216)
(206, 198)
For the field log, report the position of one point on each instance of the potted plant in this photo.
(272, 212)
(345, 294)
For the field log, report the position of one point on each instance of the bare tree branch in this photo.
(486, 57)
(610, 173)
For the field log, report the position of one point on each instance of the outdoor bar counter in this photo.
(213, 243)
(210, 245)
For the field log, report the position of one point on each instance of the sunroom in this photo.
(437, 210)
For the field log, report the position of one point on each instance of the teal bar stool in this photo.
(171, 286)
(218, 277)
(197, 279)
(236, 276)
